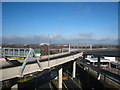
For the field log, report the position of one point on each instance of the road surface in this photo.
(70, 84)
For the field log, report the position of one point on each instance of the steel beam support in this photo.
(30, 55)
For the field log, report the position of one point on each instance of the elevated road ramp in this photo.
(17, 71)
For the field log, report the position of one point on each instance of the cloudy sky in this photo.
(63, 22)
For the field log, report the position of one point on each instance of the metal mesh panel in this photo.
(14, 52)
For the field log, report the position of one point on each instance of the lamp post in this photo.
(69, 47)
(49, 50)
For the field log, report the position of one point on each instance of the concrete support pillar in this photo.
(98, 61)
(84, 56)
(109, 64)
(60, 79)
(99, 76)
(14, 87)
(62, 50)
(74, 69)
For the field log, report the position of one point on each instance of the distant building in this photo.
(104, 61)
(42, 44)
(112, 59)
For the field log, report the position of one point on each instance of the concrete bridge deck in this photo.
(13, 72)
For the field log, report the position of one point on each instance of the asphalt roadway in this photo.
(43, 82)
(70, 84)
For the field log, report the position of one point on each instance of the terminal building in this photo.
(104, 61)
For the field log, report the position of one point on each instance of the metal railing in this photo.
(27, 53)
(14, 52)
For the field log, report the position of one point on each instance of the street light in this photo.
(49, 50)
(69, 47)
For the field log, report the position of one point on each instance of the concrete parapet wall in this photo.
(105, 79)
(54, 55)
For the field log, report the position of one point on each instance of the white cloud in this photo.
(86, 35)
(54, 36)
(57, 39)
